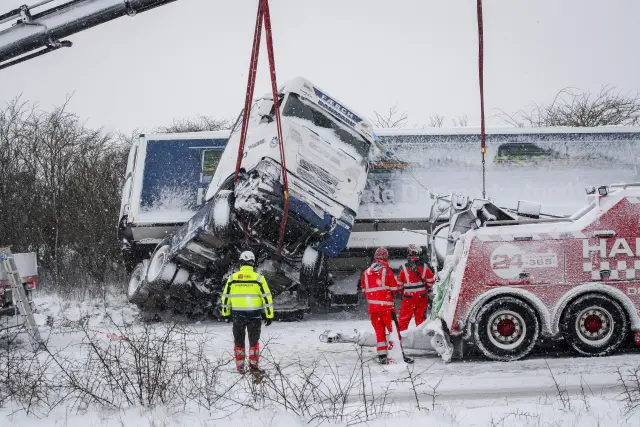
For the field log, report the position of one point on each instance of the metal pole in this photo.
(33, 6)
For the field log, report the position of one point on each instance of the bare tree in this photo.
(578, 108)
(196, 124)
(436, 121)
(461, 121)
(391, 118)
(59, 191)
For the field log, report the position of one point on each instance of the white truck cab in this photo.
(327, 148)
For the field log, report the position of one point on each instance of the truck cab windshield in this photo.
(352, 143)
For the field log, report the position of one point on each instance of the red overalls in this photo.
(379, 285)
(414, 298)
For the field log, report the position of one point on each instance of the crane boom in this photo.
(35, 35)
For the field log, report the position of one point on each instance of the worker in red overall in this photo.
(379, 285)
(416, 280)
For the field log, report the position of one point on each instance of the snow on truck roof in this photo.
(505, 130)
(568, 227)
(331, 104)
(468, 131)
(219, 134)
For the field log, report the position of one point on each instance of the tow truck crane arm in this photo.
(37, 34)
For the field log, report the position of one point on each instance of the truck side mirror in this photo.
(265, 108)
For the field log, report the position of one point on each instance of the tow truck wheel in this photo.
(136, 289)
(161, 270)
(594, 325)
(506, 329)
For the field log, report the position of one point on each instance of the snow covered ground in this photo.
(544, 390)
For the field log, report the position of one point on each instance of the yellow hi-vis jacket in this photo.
(246, 291)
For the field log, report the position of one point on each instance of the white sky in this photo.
(191, 57)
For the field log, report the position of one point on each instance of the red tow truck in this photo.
(508, 278)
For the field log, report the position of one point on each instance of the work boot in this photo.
(254, 356)
(239, 354)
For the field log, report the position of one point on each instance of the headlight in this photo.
(269, 168)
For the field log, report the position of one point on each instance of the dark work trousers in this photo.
(251, 325)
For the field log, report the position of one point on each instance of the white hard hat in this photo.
(414, 249)
(247, 256)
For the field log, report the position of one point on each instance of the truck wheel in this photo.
(136, 290)
(314, 276)
(594, 325)
(161, 270)
(506, 329)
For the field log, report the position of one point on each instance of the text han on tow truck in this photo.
(327, 148)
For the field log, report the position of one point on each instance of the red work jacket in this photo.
(379, 285)
(414, 283)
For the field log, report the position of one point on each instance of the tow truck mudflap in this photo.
(430, 336)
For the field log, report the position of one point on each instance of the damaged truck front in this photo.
(327, 151)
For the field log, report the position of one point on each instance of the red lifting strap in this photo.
(483, 143)
(263, 14)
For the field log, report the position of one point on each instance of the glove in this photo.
(267, 322)
(430, 297)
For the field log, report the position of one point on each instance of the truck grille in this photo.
(315, 181)
(319, 172)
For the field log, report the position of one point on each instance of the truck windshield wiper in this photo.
(348, 154)
(305, 126)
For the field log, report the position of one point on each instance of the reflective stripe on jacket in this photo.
(247, 291)
(414, 283)
(378, 285)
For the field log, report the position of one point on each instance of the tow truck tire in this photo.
(506, 329)
(594, 325)
(161, 270)
(137, 290)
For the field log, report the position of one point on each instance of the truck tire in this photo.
(137, 291)
(506, 329)
(220, 216)
(314, 278)
(161, 270)
(594, 325)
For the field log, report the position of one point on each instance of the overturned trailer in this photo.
(508, 279)
(167, 179)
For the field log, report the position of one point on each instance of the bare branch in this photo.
(391, 118)
(436, 121)
(576, 108)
